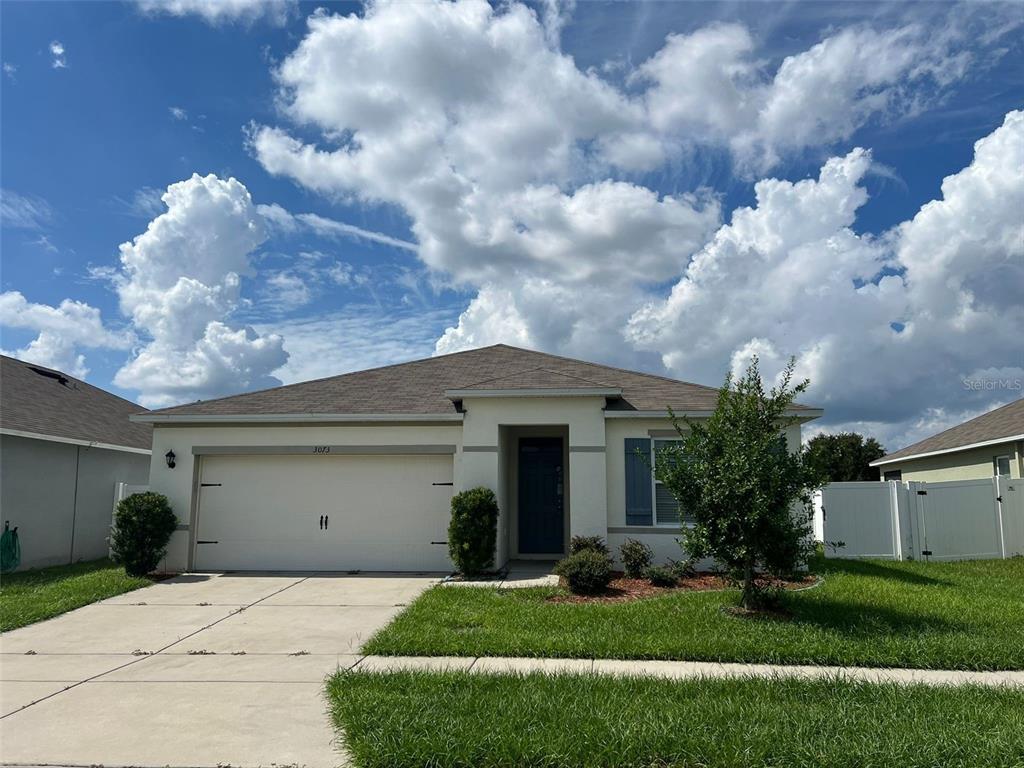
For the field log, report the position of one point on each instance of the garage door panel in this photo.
(383, 512)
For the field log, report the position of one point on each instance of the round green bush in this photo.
(636, 558)
(660, 576)
(143, 525)
(473, 530)
(586, 573)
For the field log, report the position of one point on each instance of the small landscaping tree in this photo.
(473, 530)
(143, 524)
(736, 477)
(636, 558)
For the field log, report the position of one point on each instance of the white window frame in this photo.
(655, 483)
(995, 465)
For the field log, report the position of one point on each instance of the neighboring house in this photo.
(991, 444)
(357, 471)
(64, 444)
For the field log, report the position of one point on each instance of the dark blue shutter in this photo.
(639, 510)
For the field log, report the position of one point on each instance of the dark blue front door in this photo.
(541, 489)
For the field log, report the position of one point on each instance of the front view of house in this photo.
(356, 472)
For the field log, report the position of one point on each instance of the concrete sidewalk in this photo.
(679, 670)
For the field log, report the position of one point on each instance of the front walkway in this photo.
(518, 573)
(683, 669)
(202, 670)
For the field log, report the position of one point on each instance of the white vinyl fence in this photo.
(123, 491)
(957, 520)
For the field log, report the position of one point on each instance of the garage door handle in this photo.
(321, 522)
(202, 541)
(327, 520)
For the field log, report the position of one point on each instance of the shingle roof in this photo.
(1007, 421)
(44, 401)
(418, 387)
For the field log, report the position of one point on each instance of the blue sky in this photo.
(636, 148)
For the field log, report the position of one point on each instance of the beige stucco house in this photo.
(356, 472)
(991, 444)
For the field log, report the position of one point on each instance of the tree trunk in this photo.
(747, 598)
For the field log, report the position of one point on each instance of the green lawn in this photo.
(32, 596)
(966, 615)
(462, 719)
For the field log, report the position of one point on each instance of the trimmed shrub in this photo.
(586, 572)
(143, 525)
(660, 576)
(683, 569)
(636, 558)
(473, 530)
(592, 543)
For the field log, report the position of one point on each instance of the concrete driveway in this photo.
(201, 670)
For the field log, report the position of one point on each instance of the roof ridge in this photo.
(503, 376)
(530, 370)
(573, 376)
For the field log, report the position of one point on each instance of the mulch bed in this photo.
(623, 590)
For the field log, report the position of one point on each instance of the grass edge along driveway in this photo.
(34, 595)
(963, 615)
(460, 719)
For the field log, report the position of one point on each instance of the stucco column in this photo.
(588, 486)
(588, 504)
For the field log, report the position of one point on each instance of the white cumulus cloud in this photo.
(710, 87)
(886, 328)
(179, 282)
(62, 331)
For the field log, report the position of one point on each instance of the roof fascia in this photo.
(74, 441)
(941, 451)
(291, 418)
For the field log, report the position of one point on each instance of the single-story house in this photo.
(991, 444)
(356, 472)
(64, 445)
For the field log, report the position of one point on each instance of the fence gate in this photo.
(865, 517)
(1011, 509)
(956, 520)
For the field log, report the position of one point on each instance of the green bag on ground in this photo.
(10, 549)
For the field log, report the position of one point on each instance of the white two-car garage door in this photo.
(324, 513)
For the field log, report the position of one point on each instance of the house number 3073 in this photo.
(321, 449)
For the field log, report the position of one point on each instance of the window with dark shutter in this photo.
(639, 506)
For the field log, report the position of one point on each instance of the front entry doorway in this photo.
(541, 496)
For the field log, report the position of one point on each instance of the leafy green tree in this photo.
(748, 494)
(844, 457)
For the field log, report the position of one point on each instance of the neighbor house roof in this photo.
(419, 388)
(1001, 425)
(35, 400)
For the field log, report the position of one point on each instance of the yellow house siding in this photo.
(975, 464)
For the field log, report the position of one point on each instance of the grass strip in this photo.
(31, 596)
(454, 719)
